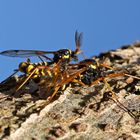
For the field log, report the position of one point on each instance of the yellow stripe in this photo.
(93, 66)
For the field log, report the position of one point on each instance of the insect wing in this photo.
(24, 53)
(78, 40)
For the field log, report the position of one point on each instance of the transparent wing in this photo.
(78, 40)
(25, 53)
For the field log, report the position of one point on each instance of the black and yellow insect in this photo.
(96, 72)
(36, 71)
(65, 55)
(58, 72)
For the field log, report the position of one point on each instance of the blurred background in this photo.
(51, 25)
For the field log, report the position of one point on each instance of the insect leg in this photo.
(115, 99)
(26, 79)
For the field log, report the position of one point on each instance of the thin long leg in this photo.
(135, 77)
(106, 66)
(26, 80)
(66, 81)
(39, 67)
(115, 99)
(55, 75)
(79, 82)
(109, 76)
(45, 58)
(114, 96)
(120, 75)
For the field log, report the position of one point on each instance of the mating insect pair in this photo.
(37, 70)
(85, 73)
(56, 73)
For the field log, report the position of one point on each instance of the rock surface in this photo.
(80, 113)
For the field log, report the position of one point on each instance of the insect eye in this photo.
(60, 56)
(67, 52)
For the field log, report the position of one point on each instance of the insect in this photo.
(83, 73)
(66, 55)
(58, 72)
(36, 70)
(92, 74)
(62, 79)
(86, 73)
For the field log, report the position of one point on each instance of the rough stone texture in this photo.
(80, 113)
